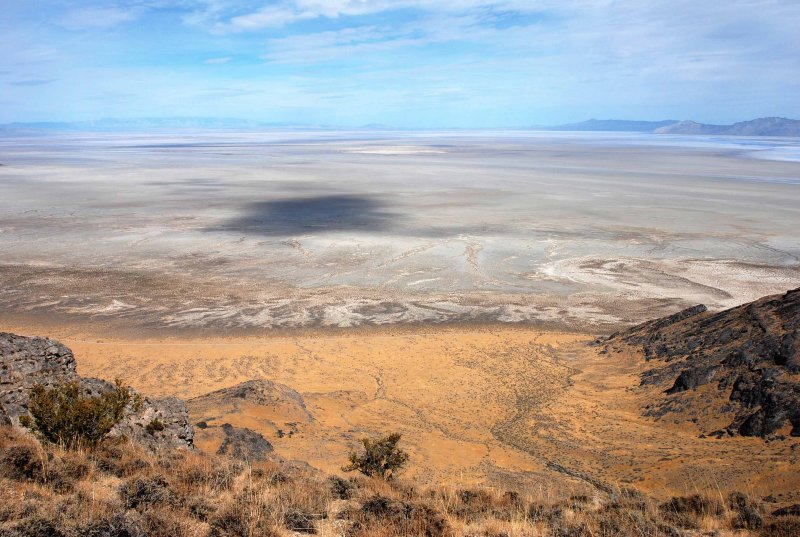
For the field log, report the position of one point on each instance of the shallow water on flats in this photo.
(305, 228)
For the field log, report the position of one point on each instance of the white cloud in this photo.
(286, 12)
(268, 17)
(99, 17)
(217, 61)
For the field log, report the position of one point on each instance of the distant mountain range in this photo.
(613, 125)
(147, 123)
(765, 126)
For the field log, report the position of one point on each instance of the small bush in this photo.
(298, 520)
(63, 472)
(623, 521)
(747, 512)
(341, 489)
(629, 499)
(782, 527)
(403, 518)
(145, 491)
(22, 461)
(686, 511)
(695, 505)
(473, 505)
(223, 475)
(237, 519)
(572, 529)
(67, 416)
(200, 507)
(162, 521)
(791, 510)
(155, 426)
(38, 526)
(121, 460)
(116, 525)
(380, 458)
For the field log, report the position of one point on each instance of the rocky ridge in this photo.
(736, 372)
(28, 361)
(764, 126)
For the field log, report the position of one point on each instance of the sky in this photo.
(402, 63)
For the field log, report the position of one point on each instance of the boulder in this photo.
(244, 444)
(29, 361)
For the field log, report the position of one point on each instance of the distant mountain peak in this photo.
(765, 126)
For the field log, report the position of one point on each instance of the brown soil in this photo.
(475, 404)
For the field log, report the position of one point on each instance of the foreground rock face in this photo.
(741, 364)
(28, 361)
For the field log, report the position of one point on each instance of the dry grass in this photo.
(122, 491)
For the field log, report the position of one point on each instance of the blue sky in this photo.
(407, 63)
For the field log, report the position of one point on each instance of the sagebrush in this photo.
(68, 415)
(380, 458)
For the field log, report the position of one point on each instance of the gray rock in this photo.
(244, 444)
(29, 361)
(25, 362)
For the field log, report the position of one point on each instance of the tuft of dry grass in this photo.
(119, 490)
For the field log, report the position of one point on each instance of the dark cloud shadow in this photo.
(314, 214)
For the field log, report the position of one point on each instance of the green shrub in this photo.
(67, 416)
(381, 458)
(154, 426)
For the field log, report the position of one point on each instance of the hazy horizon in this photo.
(210, 124)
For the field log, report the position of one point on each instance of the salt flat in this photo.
(182, 256)
(253, 230)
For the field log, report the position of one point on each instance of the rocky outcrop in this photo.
(237, 420)
(280, 399)
(244, 444)
(742, 363)
(159, 423)
(276, 409)
(764, 126)
(28, 361)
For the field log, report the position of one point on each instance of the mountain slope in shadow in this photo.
(736, 372)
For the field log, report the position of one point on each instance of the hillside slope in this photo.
(732, 372)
